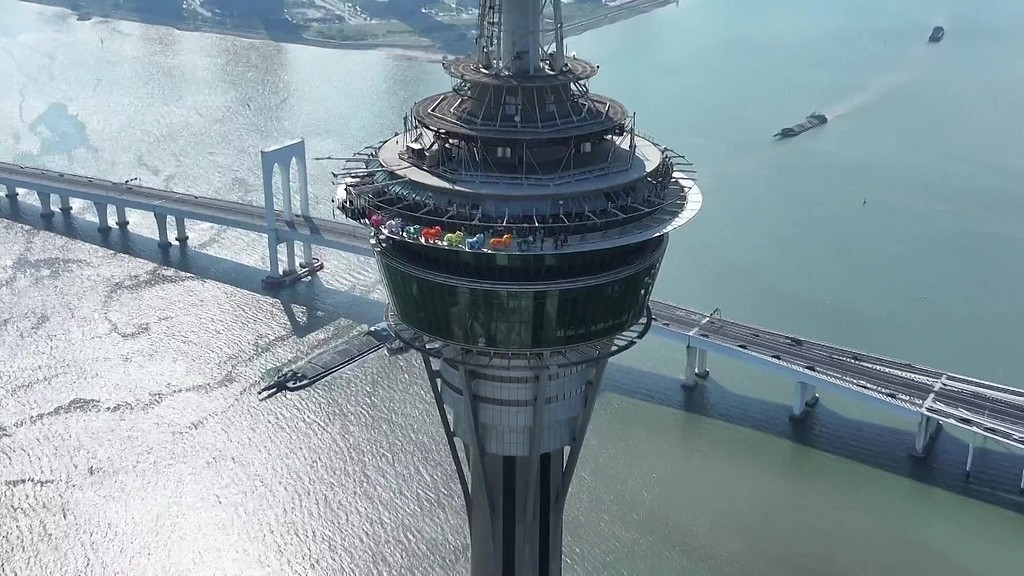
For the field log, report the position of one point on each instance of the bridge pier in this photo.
(182, 236)
(12, 192)
(696, 366)
(101, 217)
(927, 429)
(307, 255)
(46, 211)
(122, 217)
(970, 459)
(805, 397)
(272, 242)
(65, 204)
(690, 371)
(970, 456)
(307, 248)
(702, 371)
(289, 263)
(161, 230)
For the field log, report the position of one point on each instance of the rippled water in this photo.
(131, 440)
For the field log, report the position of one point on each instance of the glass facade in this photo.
(524, 267)
(517, 317)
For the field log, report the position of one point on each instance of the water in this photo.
(131, 440)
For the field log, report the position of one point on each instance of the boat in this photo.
(332, 360)
(813, 121)
(937, 33)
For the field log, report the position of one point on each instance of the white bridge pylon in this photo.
(279, 160)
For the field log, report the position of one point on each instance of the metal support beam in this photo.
(103, 225)
(161, 230)
(805, 397)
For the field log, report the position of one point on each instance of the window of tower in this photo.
(529, 267)
(515, 319)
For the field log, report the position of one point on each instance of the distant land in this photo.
(421, 25)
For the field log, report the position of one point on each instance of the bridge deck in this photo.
(992, 410)
(331, 234)
(989, 409)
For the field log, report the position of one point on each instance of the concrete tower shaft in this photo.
(520, 222)
(521, 419)
(514, 36)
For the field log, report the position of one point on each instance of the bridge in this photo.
(986, 409)
(281, 226)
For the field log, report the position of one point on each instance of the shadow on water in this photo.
(994, 477)
(309, 305)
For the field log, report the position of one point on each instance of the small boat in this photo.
(937, 33)
(813, 121)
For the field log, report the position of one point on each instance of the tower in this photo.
(520, 221)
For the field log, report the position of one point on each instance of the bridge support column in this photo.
(46, 211)
(927, 429)
(805, 397)
(275, 267)
(161, 230)
(690, 372)
(122, 217)
(103, 225)
(12, 192)
(702, 371)
(289, 250)
(65, 204)
(307, 248)
(970, 455)
(307, 255)
(970, 459)
(182, 236)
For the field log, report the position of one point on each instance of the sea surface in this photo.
(131, 440)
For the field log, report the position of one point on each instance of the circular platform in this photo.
(468, 70)
(450, 112)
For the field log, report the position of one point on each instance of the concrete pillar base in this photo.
(927, 429)
(805, 397)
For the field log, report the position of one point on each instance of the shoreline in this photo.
(618, 13)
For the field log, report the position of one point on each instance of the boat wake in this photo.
(881, 86)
